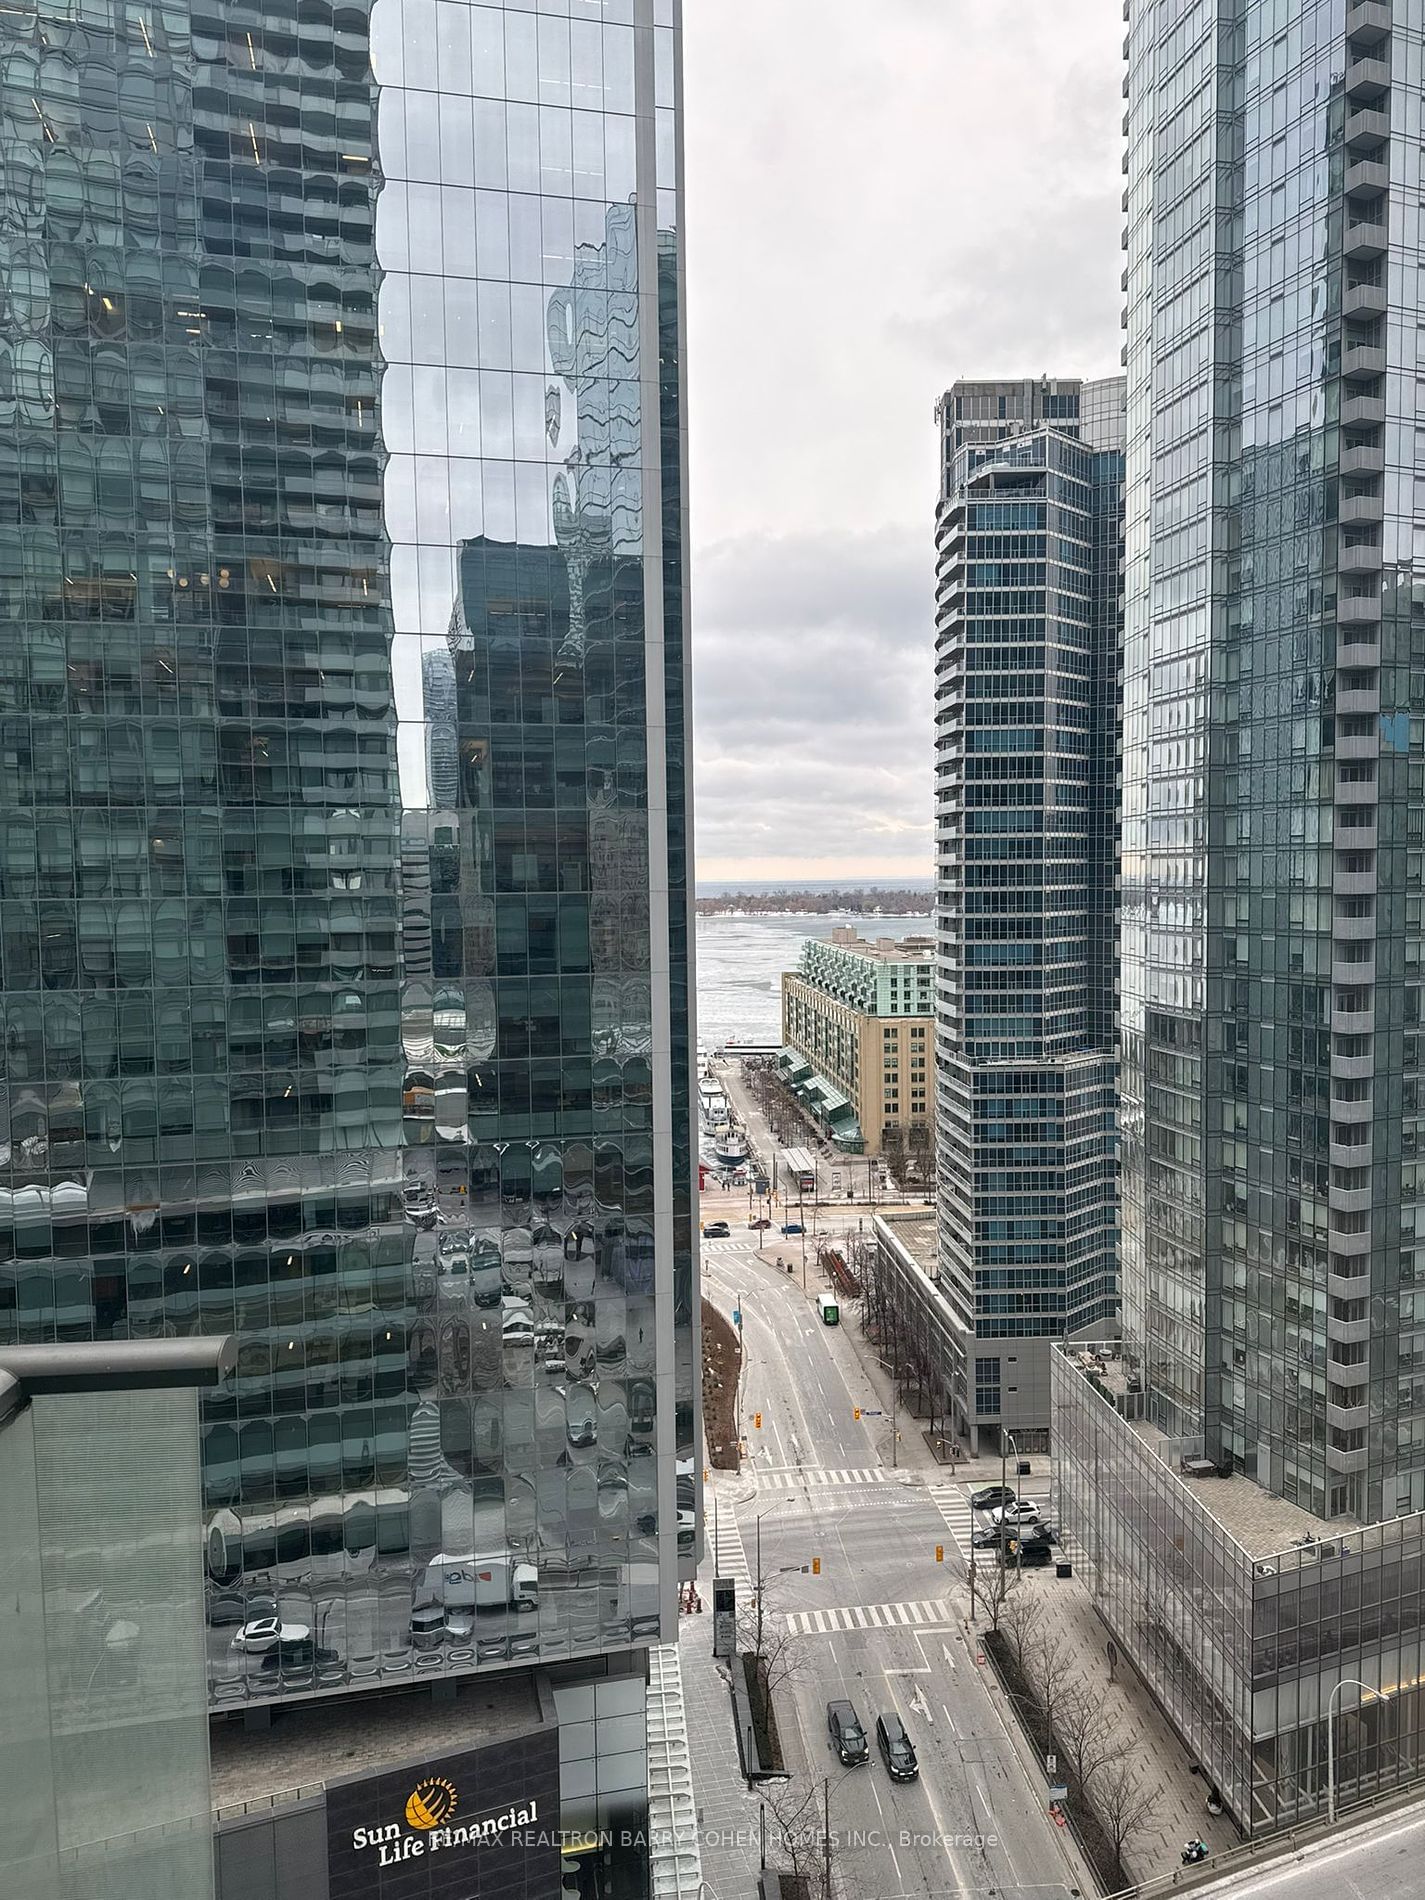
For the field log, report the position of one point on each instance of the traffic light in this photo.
(816, 1566)
(856, 1413)
(940, 1553)
(757, 1420)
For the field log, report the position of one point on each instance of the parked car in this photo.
(266, 1632)
(717, 1230)
(991, 1496)
(300, 1653)
(848, 1737)
(427, 1626)
(1022, 1511)
(990, 1539)
(1025, 1553)
(895, 1747)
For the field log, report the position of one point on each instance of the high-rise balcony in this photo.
(1360, 560)
(1363, 362)
(1344, 1460)
(1356, 745)
(1348, 1418)
(1352, 884)
(1355, 609)
(1366, 126)
(1367, 178)
(1344, 1286)
(1368, 22)
(1363, 460)
(1367, 79)
(1361, 511)
(1363, 300)
(1365, 239)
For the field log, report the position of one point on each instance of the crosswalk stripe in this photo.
(814, 1477)
(867, 1616)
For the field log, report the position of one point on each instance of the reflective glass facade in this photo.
(1273, 767)
(1028, 535)
(343, 908)
(1253, 1623)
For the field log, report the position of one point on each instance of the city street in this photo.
(877, 1625)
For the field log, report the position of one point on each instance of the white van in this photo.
(480, 1583)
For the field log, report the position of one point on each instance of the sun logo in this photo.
(431, 1802)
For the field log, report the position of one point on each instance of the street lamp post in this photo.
(1354, 1682)
(1006, 1439)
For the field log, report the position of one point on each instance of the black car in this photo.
(848, 1737)
(1027, 1553)
(992, 1497)
(717, 1230)
(987, 1540)
(895, 1747)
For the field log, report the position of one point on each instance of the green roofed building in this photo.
(857, 1025)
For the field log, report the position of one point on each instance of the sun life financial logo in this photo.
(429, 1807)
(432, 1801)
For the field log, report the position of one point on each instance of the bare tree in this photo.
(1088, 1736)
(1048, 1665)
(1019, 1622)
(994, 1578)
(761, 1631)
(1125, 1801)
(797, 1808)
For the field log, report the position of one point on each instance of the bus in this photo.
(797, 1172)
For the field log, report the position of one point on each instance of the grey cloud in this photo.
(880, 199)
(812, 698)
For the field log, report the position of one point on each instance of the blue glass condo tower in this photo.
(1026, 658)
(344, 917)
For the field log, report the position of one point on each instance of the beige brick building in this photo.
(858, 1036)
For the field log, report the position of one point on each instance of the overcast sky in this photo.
(882, 195)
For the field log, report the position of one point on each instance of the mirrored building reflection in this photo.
(343, 890)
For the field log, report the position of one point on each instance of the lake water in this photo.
(741, 960)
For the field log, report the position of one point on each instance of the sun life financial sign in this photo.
(463, 1820)
(429, 1828)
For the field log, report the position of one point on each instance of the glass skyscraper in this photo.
(1027, 625)
(343, 879)
(1273, 769)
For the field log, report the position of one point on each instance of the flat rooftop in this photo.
(1262, 1524)
(321, 1741)
(917, 949)
(916, 1233)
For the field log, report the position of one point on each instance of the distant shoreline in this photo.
(867, 902)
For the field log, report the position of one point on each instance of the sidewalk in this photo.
(728, 1813)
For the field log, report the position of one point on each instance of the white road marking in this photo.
(867, 1616)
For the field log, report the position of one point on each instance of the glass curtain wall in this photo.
(343, 917)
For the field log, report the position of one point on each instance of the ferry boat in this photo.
(729, 1148)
